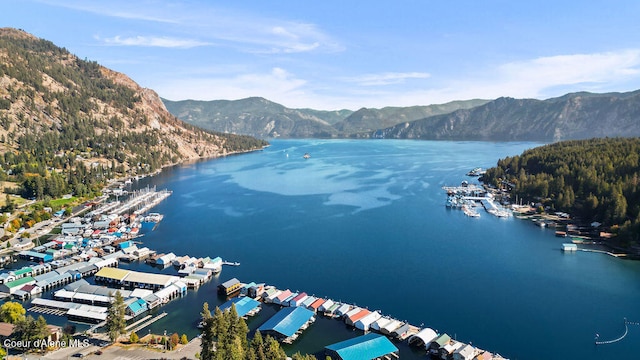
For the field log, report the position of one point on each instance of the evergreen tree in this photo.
(208, 338)
(115, 322)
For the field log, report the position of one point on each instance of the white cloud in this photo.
(153, 41)
(276, 85)
(535, 78)
(531, 78)
(387, 78)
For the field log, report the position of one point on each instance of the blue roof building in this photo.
(369, 346)
(287, 322)
(137, 307)
(35, 256)
(245, 306)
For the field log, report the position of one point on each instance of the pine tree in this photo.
(207, 332)
(115, 322)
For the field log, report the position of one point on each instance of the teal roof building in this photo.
(369, 346)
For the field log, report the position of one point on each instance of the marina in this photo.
(468, 197)
(339, 248)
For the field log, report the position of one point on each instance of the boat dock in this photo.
(141, 201)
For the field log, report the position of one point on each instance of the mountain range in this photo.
(262, 118)
(573, 116)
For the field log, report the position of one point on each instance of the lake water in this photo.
(365, 222)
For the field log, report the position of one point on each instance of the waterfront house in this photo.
(230, 286)
(369, 346)
(286, 324)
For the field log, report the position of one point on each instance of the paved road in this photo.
(118, 353)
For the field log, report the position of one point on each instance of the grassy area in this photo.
(59, 203)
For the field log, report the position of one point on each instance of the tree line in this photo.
(224, 337)
(85, 139)
(595, 180)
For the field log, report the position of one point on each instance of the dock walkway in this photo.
(149, 322)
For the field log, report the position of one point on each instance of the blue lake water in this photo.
(365, 222)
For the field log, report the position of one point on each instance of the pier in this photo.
(142, 201)
(148, 322)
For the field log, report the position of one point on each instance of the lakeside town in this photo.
(76, 272)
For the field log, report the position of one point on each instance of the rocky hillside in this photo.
(365, 120)
(58, 111)
(256, 117)
(572, 116)
(262, 118)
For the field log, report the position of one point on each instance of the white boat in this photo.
(306, 156)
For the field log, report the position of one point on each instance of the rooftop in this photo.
(287, 321)
(369, 346)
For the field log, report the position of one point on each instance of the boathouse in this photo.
(245, 306)
(390, 327)
(352, 316)
(423, 338)
(35, 256)
(111, 275)
(230, 286)
(365, 322)
(269, 294)
(326, 305)
(466, 352)
(343, 309)
(87, 313)
(438, 343)
(286, 323)
(136, 307)
(297, 301)
(11, 287)
(314, 306)
(369, 346)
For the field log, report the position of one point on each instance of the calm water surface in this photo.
(365, 222)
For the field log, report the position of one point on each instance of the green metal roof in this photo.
(20, 282)
(369, 346)
(23, 271)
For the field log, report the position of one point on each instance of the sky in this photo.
(331, 55)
